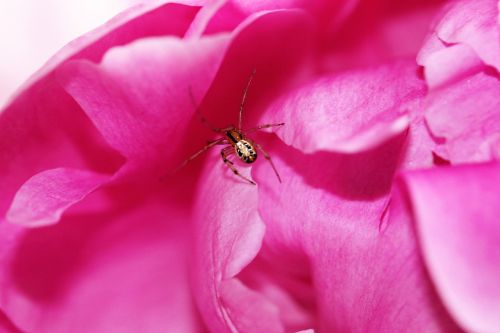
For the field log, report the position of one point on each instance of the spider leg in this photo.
(198, 153)
(225, 152)
(268, 158)
(243, 99)
(218, 142)
(257, 128)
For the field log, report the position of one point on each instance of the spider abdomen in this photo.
(245, 151)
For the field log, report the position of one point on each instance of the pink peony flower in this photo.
(386, 219)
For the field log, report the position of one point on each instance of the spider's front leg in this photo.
(225, 152)
(268, 158)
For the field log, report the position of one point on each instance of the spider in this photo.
(236, 140)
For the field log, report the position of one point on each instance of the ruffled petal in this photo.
(456, 209)
(348, 112)
(466, 114)
(122, 270)
(138, 96)
(228, 235)
(44, 197)
(480, 31)
(43, 128)
(363, 264)
(465, 38)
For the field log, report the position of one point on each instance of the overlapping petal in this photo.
(466, 114)
(456, 210)
(122, 270)
(142, 112)
(345, 254)
(465, 38)
(351, 111)
(366, 271)
(45, 196)
(43, 128)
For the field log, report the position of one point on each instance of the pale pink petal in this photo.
(466, 114)
(449, 64)
(365, 267)
(284, 279)
(465, 37)
(457, 211)
(350, 111)
(242, 305)
(44, 197)
(473, 23)
(119, 271)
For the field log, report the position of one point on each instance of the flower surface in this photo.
(386, 219)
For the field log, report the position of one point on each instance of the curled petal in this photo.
(466, 115)
(480, 31)
(348, 112)
(228, 235)
(44, 197)
(456, 209)
(120, 271)
(43, 128)
(138, 96)
(465, 38)
(364, 258)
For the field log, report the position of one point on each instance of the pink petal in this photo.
(348, 112)
(43, 128)
(228, 236)
(465, 38)
(377, 32)
(228, 232)
(139, 95)
(49, 133)
(466, 115)
(44, 197)
(473, 23)
(6, 325)
(143, 20)
(119, 271)
(457, 212)
(448, 64)
(366, 271)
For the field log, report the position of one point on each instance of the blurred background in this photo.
(31, 31)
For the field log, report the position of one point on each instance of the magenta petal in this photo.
(348, 112)
(228, 236)
(143, 20)
(6, 325)
(366, 268)
(43, 128)
(466, 115)
(121, 271)
(44, 197)
(138, 96)
(457, 211)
